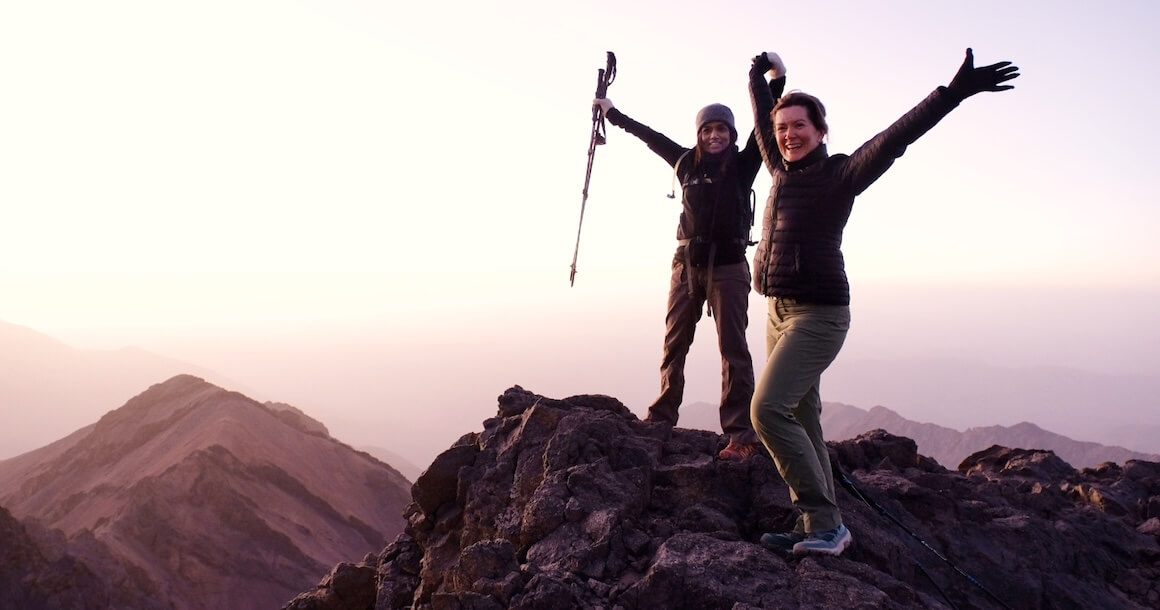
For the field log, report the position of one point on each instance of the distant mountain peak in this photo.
(43, 375)
(211, 496)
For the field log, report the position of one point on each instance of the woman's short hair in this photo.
(814, 108)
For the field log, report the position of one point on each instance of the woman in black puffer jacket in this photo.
(799, 266)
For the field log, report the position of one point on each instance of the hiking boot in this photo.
(782, 542)
(739, 451)
(653, 419)
(829, 542)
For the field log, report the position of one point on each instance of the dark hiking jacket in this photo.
(716, 209)
(799, 255)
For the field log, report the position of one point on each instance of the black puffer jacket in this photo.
(799, 255)
(715, 193)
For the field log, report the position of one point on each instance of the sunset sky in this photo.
(309, 194)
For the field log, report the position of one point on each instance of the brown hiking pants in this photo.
(728, 300)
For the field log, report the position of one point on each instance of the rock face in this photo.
(195, 497)
(576, 503)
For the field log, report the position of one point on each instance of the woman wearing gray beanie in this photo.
(800, 267)
(710, 263)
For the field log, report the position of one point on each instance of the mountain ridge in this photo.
(946, 445)
(43, 374)
(217, 500)
(1098, 407)
(949, 446)
(939, 389)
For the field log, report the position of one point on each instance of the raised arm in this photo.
(970, 80)
(669, 150)
(763, 98)
(873, 158)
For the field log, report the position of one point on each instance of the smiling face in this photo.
(797, 136)
(714, 137)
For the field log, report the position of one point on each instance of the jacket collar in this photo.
(815, 155)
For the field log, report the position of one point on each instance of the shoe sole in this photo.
(835, 551)
(777, 548)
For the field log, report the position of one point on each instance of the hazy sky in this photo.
(278, 190)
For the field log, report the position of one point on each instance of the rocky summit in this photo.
(576, 503)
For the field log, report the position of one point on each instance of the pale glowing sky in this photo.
(197, 179)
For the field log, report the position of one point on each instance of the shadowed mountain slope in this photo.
(218, 501)
(576, 503)
(37, 573)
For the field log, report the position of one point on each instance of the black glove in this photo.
(761, 63)
(970, 80)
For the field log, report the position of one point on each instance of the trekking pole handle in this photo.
(606, 75)
(601, 91)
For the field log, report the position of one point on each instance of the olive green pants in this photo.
(801, 342)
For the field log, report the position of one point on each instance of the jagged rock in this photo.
(1023, 463)
(346, 586)
(576, 503)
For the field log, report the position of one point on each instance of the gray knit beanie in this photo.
(717, 112)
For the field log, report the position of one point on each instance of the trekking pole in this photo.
(604, 77)
(853, 489)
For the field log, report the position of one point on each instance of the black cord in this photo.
(853, 489)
